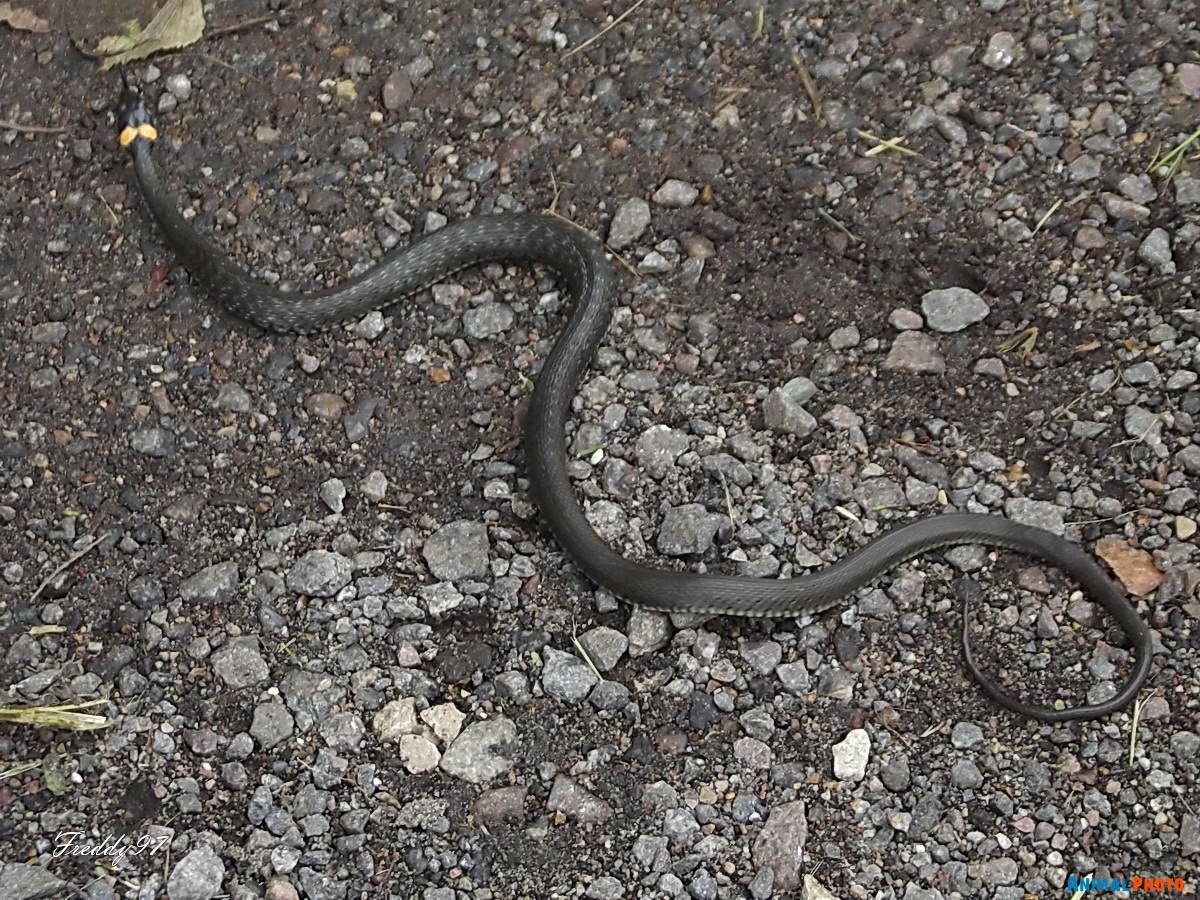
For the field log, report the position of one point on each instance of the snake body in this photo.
(580, 263)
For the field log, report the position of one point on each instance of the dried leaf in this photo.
(23, 19)
(178, 24)
(1133, 567)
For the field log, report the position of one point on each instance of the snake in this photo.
(579, 261)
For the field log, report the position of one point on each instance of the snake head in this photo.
(132, 118)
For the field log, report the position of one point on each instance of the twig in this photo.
(839, 226)
(100, 194)
(552, 210)
(9, 125)
(70, 562)
(810, 85)
(730, 95)
(617, 256)
(603, 31)
(241, 26)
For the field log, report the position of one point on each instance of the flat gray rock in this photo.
(477, 754)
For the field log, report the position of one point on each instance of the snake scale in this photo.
(580, 263)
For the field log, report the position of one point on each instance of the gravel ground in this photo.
(342, 654)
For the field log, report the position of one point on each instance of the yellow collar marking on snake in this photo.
(129, 134)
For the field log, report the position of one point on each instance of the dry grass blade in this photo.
(882, 145)
(1023, 342)
(1045, 218)
(584, 654)
(603, 31)
(1133, 728)
(1173, 159)
(66, 716)
(810, 85)
(20, 769)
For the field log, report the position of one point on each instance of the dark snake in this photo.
(580, 263)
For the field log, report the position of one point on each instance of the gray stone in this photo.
(28, 882)
(996, 871)
(689, 529)
(630, 223)
(915, 352)
(658, 447)
(954, 65)
(371, 326)
(319, 573)
(374, 486)
(953, 309)
(966, 735)
(397, 718)
(1143, 425)
(475, 754)
(780, 845)
(843, 339)
(197, 876)
(232, 397)
(488, 320)
(905, 320)
(794, 677)
(343, 731)
(566, 677)
(1155, 251)
(1138, 188)
(153, 441)
(648, 631)
(1001, 51)
(676, 193)
(752, 753)
(850, 756)
(575, 802)
(49, 333)
(1144, 82)
(418, 754)
(895, 774)
(1083, 168)
(784, 412)
(965, 775)
(271, 725)
(1187, 190)
(458, 551)
(604, 646)
(239, 664)
(680, 826)
(211, 585)
(440, 598)
(762, 656)
(606, 887)
(1038, 513)
(333, 494)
